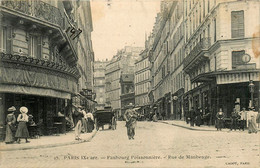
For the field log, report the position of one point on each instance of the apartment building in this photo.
(220, 58)
(122, 63)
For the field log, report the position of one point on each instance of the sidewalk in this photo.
(48, 141)
(183, 124)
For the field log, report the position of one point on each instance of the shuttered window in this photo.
(237, 58)
(237, 24)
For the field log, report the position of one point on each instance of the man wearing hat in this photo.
(10, 126)
(22, 131)
(130, 117)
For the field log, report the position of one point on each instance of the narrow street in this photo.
(155, 145)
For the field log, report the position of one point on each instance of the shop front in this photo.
(223, 90)
(44, 90)
(177, 103)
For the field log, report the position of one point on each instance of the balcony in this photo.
(198, 54)
(17, 60)
(37, 9)
(45, 17)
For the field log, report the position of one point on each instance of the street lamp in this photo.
(251, 90)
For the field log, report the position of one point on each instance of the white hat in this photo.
(11, 109)
(24, 109)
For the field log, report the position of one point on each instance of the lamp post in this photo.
(251, 90)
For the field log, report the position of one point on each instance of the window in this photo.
(35, 46)
(3, 39)
(208, 6)
(237, 24)
(215, 30)
(203, 8)
(237, 58)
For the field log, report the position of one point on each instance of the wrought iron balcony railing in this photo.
(24, 60)
(38, 9)
(203, 45)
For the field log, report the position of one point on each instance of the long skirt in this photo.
(219, 124)
(22, 131)
(84, 124)
(252, 128)
(78, 128)
(198, 120)
(90, 125)
(9, 135)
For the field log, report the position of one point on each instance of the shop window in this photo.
(237, 58)
(237, 24)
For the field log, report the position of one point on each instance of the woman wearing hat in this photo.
(10, 126)
(22, 131)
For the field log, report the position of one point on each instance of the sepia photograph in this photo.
(129, 83)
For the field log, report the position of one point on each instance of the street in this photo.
(155, 145)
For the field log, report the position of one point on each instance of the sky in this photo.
(122, 23)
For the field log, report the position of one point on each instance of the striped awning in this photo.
(226, 78)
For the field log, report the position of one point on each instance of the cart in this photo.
(104, 117)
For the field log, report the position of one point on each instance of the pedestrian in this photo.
(243, 119)
(130, 117)
(234, 120)
(192, 117)
(207, 116)
(84, 120)
(22, 131)
(187, 117)
(252, 128)
(90, 122)
(198, 117)
(10, 125)
(220, 119)
(78, 115)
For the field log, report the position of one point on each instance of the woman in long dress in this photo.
(22, 131)
(220, 119)
(10, 126)
(252, 128)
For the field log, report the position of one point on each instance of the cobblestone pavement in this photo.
(155, 145)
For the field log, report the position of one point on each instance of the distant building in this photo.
(142, 80)
(99, 83)
(127, 91)
(122, 63)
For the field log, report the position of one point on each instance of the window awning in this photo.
(17, 89)
(237, 77)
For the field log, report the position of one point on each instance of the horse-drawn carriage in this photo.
(104, 117)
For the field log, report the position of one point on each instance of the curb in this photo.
(190, 128)
(53, 145)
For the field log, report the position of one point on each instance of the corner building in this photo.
(220, 58)
(39, 58)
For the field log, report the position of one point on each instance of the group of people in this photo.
(84, 121)
(195, 117)
(14, 132)
(239, 120)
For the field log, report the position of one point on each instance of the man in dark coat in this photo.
(192, 117)
(130, 117)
